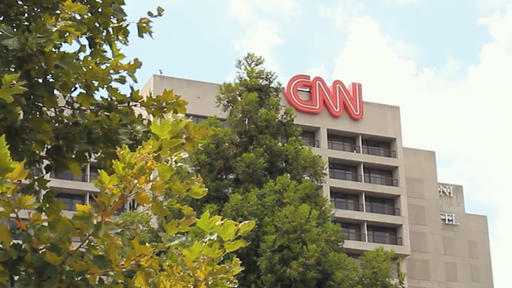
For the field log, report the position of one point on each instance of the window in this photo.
(381, 206)
(197, 118)
(383, 235)
(70, 200)
(351, 231)
(345, 201)
(379, 176)
(67, 175)
(308, 139)
(378, 148)
(93, 171)
(341, 143)
(343, 172)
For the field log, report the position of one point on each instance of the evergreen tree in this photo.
(379, 269)
(257, 169)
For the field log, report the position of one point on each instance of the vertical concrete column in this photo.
(87, 198)
(360, 171)
(88, 173)
(359, 143)
(363, 201)
(321, 135)
(365, 231)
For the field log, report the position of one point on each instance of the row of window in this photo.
(370, 175)
(89, 173)
(348, 201)
(70, 200)
(349, 144)
(375, 234)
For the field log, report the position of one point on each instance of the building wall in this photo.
(442, 255)
(436, 254)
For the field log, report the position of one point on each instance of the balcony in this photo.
(381, 206)
(378, 148)
(308, 139)
(380, 180)
(342, 143)
(346, 201)
(383, 235)
(344, 175)
(89, 173)
(70, 200)
(353, 235)
(380, 177)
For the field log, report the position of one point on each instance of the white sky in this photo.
(447, 64)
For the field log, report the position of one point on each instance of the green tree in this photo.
(257, 169)
(379, 269)
(61, 69)
(40, 247)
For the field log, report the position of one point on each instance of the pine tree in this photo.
(257, 169)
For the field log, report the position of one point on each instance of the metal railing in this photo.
(379, 151)
(344, 175)
(67, 175)
(387, 210)
(384, 238)
(342, 146)
(307, 141)
(340, 203)
(381, 180)
(353, 235)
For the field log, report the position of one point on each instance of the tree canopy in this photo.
(41, 247)
(256, 168)
(61, 69)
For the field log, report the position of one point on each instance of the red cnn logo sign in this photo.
(336, 98)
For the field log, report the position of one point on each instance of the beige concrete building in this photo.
(383, 193)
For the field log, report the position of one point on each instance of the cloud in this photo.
(260, 38)
(251, 10)
(261, 29)
(341, 12)
(464, 118)
(403, 2)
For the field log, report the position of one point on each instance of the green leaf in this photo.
(235, 245)
(208, 223)
(52, 258)
(141, 279)
(11, 86)
(75, 7)
(6, 164)
(162, 129)
(193, 251)
(245, 227)
(5, 235)
(144, 27)
(197, 192)
(165, 171)
(26, 202)
(19, 172)
(227, 230)
(9, 37)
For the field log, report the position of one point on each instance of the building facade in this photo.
(383, 194)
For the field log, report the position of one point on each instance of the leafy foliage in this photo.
(257, 169)
(379, 269)
(61, 69)
(40, 247)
